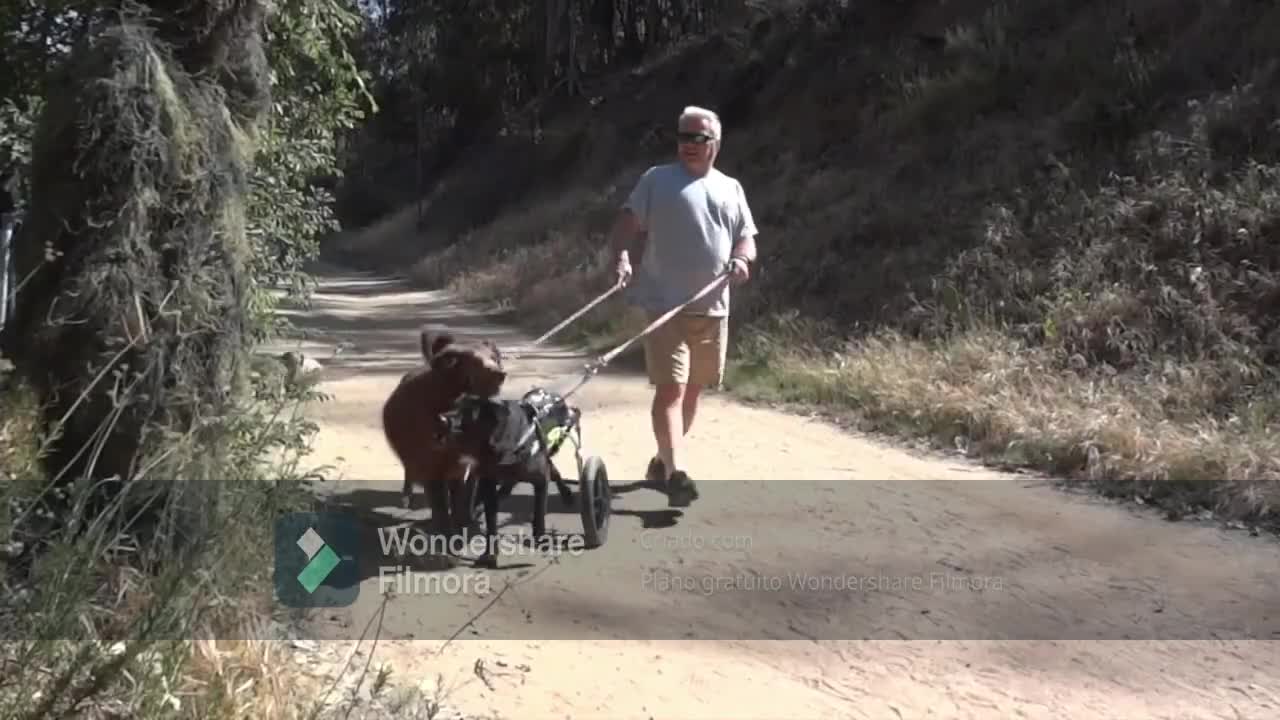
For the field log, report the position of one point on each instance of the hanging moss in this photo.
(134, 314)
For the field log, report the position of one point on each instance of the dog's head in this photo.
(471, 425)
(434, 339)
(476, 367)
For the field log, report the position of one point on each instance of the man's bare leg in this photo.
(668, 414)
(690, 406)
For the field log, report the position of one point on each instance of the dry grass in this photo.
(548, 276)
(251, 679)
(214, 651)
(994, 398)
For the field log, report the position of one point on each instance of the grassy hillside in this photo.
(1042, 232)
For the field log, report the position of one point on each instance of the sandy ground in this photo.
(948, 590)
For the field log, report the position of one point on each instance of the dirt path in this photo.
(975, 594)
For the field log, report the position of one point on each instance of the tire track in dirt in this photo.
(976, 594)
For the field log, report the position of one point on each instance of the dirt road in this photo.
(950, 590)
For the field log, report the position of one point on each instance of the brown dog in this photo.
(453, 368)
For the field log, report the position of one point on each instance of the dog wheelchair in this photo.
(554, 421)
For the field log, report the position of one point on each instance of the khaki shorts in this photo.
(687, 349)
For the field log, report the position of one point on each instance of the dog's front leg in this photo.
(406, 492)
(459, 501)
(438, 496)
(540, 482)
(489, 494)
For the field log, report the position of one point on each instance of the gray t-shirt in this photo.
(693, 224)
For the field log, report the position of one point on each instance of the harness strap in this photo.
(534, 428)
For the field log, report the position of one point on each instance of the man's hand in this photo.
(627, 234)
(741, 257)
(622, 268)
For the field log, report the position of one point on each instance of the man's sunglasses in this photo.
(695, 138)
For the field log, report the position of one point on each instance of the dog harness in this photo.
(536, 423)
(514, 440)
(550, 416)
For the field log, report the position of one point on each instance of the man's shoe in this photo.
(681, 490)
(656, 473)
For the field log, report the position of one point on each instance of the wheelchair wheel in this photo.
(595, 502)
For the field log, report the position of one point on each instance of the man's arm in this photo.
(745, 248)
(745, 245)
(628, 234)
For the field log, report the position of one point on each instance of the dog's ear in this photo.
(440, 342)
(433, 341)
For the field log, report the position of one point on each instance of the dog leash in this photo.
(593, 368)
(581, 311)
(563, 323)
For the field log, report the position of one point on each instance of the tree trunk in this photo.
(631, 30)
(551, 40)
(573, 50)
(680, 15)
(653, 30)
(418, 154)
(603, 17)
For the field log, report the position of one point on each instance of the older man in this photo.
(694, 224)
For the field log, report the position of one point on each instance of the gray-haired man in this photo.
(695, 222)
